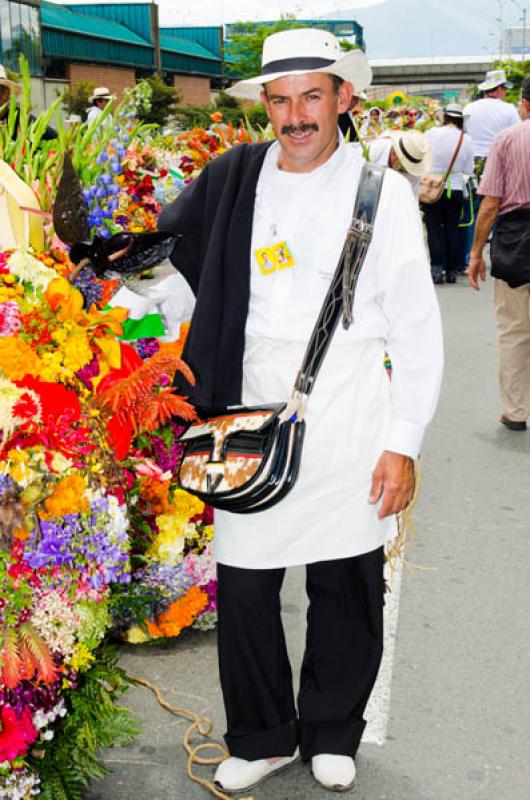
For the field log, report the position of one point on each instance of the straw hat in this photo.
(494, 78)
(300, 51)
(454, 110)
(100, 93)
(413, 151)
(4, 81)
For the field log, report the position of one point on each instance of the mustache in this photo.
(302, 128)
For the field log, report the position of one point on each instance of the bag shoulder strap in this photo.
(340, 295)
(455, 156)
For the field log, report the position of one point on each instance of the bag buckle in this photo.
(295, 408)
(215, 471)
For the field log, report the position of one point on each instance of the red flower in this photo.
(16, 733)
(56, 400)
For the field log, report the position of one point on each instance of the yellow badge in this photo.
(277, 256)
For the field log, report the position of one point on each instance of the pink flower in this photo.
(16, 733)
(9, 318)
(148, 469)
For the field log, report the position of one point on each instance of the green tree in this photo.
(516, 71)
(243, 49)
(75, 98)
(162, 101)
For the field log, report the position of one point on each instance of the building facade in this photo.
(115, 44)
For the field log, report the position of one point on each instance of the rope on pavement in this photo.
(200, 725)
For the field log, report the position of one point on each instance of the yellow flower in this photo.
(207, 533)
(185, 506)
(82, 658)
(18, 466)
(77, 352)
(135, 635)
(168, 546)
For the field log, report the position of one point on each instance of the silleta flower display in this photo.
(97, 539)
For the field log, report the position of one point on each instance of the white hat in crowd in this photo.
(100, 93)
(4, 81)
(413, 150)
(494, 78)
(299, 51)
(454, 110)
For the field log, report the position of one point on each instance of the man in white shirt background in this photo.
(100, 98)
(483, 120)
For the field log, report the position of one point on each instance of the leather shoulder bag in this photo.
(432, 184)
(244, 459)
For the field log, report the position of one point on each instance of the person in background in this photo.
(101, 96)
(373, 126)
(407, 152)
(484, 118)
(443, 217)
(351, 119)
(505, 192)
(6, 88)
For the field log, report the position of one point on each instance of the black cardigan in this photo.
(213, 219)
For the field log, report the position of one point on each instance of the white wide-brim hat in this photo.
(494, 78)
(299, 51)
(4, 81)
(101, 93)
(413, 150)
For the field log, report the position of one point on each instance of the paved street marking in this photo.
(378, 709)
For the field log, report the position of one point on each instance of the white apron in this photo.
(351, 416)
(326, 516)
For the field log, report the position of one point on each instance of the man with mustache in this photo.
(248, 334)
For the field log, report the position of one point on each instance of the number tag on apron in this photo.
(273, 258)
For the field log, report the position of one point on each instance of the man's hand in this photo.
(477, 267)
(393, 482)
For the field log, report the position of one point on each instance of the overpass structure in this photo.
(435, 77)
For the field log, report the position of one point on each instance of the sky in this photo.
(392, 28)
(215, 12)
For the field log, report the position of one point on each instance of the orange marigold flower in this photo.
(155, 493)
(68, 497)
(180, 614)
(17, 358)
(216, 116)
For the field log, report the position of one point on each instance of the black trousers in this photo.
(445, 240)
(343, 652)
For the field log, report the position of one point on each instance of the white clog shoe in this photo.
(336, 773)
(237, 775)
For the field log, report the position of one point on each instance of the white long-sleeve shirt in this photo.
(395, 299)
(354, 412)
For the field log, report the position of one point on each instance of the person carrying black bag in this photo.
(263, 229)
(505, 188)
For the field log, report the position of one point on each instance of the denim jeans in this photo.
(444, 236)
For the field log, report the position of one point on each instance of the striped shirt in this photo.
(507, 171)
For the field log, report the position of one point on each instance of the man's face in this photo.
(303, 110)
(4, 99)
(524, 109)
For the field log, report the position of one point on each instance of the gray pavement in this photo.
(459, 724)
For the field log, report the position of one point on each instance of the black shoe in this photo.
(439, 279)
(513, 424)
(450, 277)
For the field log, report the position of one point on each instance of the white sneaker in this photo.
(236, 774)
(333, 772)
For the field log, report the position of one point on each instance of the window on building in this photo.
(20, 33)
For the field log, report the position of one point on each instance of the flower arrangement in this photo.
(95, 533)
